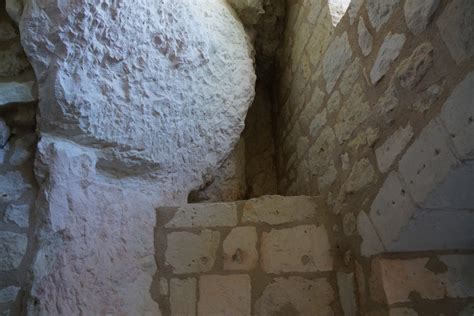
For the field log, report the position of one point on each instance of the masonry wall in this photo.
(18, 186)
(375, 117)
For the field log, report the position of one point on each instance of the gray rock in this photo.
(4, 133)
(14, 9)
(13, 61)
(380, 11)
(336, 59)
(365, 38)
(418, 14)
(12, 248)
(18, 214)
(388, 52)
(22, 149)
(16, 92)
(8, 294)
(12, 186)
(456, 29)
(412, 70)
(353, 10)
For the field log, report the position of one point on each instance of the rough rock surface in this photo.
(139, 102)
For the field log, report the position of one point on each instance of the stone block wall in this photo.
(18, 186)
(256, 257)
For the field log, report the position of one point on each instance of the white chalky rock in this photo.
(139, 101)
(164, 86)
(389, 51)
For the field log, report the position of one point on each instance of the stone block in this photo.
(228, 295)
(459, 276)
(387, 153)
(334, 102)
(412, 70)
(296, 296)
(457, 116)
(355, 110)
(274, 209)
(388, 53)
(317, 123)
(371, 244)
(205, 215)
(240, 249)
(345, 285)
(8, 294)
(418, 14)
(391, 209)
(18, 214)
(7, 31)
(12, 186)
(365, 38)
(427, 161)
(349, 224)
(380, 11)
(16, 92)
(13, 248)
(362, 175)
(452, 26)
(350, 77)
(335, 60)
(401, 277)
(183, 296)
(303, 248)
(192, 253)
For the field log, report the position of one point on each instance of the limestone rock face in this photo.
(139, 102)
(163, 86)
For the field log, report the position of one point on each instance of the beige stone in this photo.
(183, 296)
(205, 215)
(345, 285)
(365, 138)
(380, 11)
(240, 249)
(328, 177)
(350, 77)
(296, 296)
(354, 111)
(303, 248)
(318, 123)
(412, 70)
(191, 253)
(393, 146)
(228, 295)
(418, 13)
(349, 224)
(334, 102)
(401, 277)
(275, 209)
(365, 38)
(362, 175)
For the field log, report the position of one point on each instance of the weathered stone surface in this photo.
(296, 296)
(354, 111)
(14, 9)
(402, 311)
(436, 230)
(7, 31)
(18, 214)
(12, 248)
(240, 249)
(459, 277)
(388, 52)
(418, 14)
(362, 175)
(365, 38)
(248, 11)
(350, 77)
(336, 60)
(4, 133)
(353, 10)
(224, 295)
(412, 70)
(389, 99)
(183, 296)
(275, 209)
(393, 146)
(338, 8)
(188, 252)
(303, 248)
(457, 116)
(365, 138)
(320, 154)
(145, 84)
(319, 41)
(164, 287)
(452, 26)
(16, 92)
(334, 102)
(13, 61)
(12, 186)
(328, 177)
(391, 210)
(318, 122)
(8, 294)
(380, 11)
(427, 161)
(349, 224)
(22, 149)
(427, 98)
(401, 277)
(205, 215)
(371, 243)
(345, 284)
